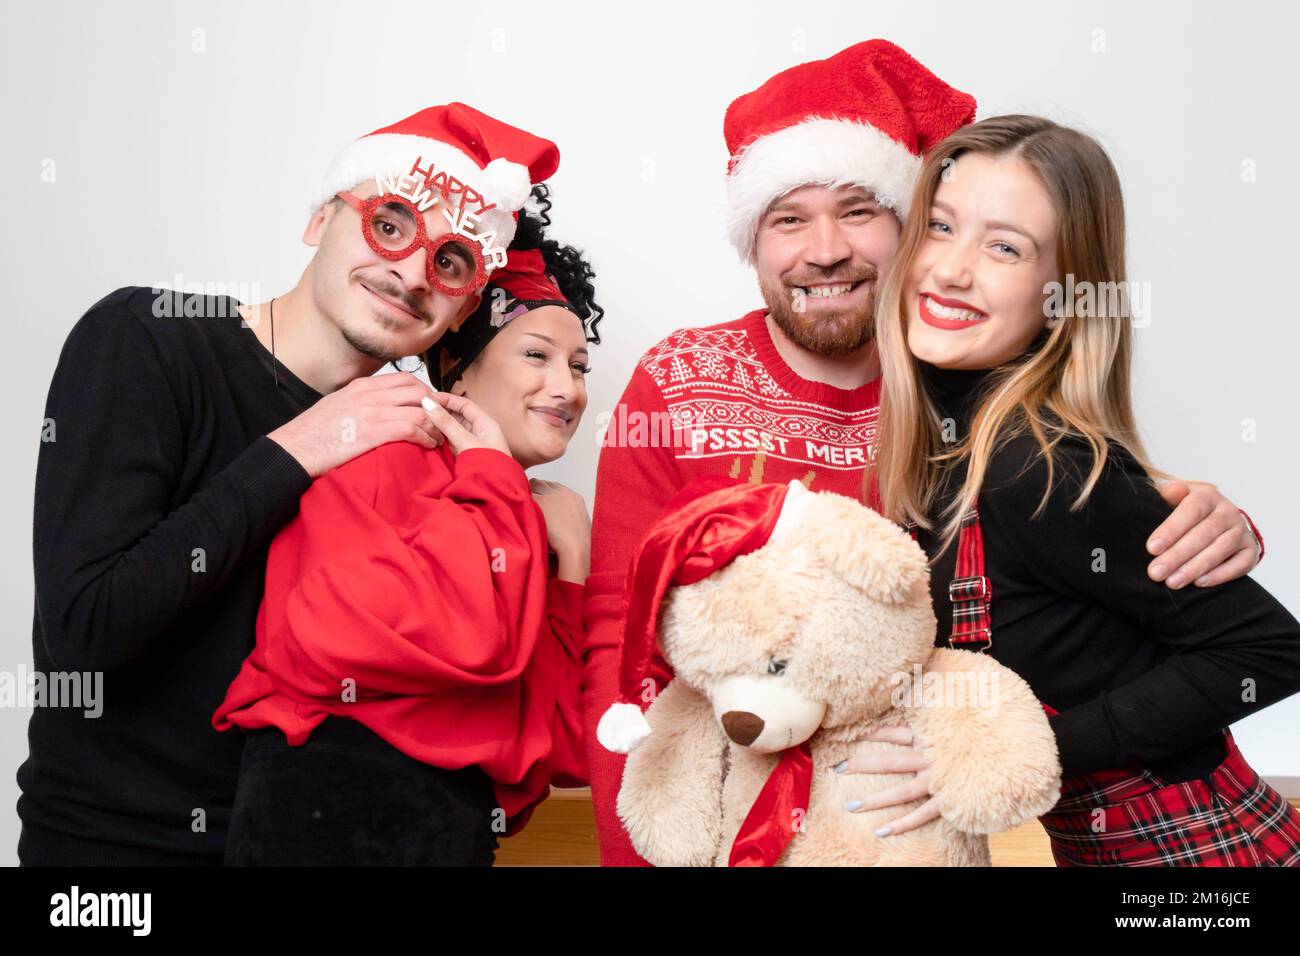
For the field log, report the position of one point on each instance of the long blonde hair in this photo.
(1081, 371)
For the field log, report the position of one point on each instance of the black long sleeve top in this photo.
(155, 504)
(1142, 675)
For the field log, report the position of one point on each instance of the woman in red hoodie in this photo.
(413, 690)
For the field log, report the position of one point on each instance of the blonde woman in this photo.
(1007, 439)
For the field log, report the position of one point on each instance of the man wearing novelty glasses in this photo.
(176, 444)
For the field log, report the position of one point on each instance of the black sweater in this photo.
(155, 505)
(1142, 675)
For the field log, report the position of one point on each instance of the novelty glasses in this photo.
(394, 228)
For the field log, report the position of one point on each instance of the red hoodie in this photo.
(411, 593)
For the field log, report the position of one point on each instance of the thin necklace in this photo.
(274, 372)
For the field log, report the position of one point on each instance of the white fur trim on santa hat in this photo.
(622, 728)
(831, 152)
(793, 509)
(391, 154)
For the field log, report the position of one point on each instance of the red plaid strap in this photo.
(970, 591)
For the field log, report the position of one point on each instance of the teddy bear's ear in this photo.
(857, 544)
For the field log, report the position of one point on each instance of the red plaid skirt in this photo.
(1126, 818)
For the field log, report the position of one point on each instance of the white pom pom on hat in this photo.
(507, 182)
(622, 728)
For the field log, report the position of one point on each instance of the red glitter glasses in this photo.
(394, 228)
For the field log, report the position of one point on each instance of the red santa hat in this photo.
(863, 117)
(494, 159)
(706, 526)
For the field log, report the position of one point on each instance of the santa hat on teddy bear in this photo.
(498, 161)
(861, 117)
(706, 526)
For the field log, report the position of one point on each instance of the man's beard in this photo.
(379, 351)
(374, 346)
(829, 332)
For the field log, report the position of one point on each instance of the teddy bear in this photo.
(796, 622)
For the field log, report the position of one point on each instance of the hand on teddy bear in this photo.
(905, 792)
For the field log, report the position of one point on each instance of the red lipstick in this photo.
(929, 318)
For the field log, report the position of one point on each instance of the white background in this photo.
(173, 160)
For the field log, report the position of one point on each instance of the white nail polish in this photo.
(427, 404)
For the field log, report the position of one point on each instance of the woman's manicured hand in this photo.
(894, 762)
(464, 423)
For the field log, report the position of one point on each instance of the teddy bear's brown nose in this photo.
(742, 726)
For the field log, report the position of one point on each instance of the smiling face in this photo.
(819, 254)
(974, 297)
(385, 309)
(531, 378)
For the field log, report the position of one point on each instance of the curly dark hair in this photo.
(572, 273)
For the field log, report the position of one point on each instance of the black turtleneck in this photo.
(1142, 675)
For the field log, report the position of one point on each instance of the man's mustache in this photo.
(397, 294)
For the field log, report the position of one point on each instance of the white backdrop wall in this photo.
(147, 142)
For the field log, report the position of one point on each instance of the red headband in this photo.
(524, 277)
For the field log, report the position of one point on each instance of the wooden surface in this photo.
(562, 833)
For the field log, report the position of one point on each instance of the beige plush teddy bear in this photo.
(795, 622)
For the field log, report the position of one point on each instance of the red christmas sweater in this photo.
(710, 401)
(411, 593)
